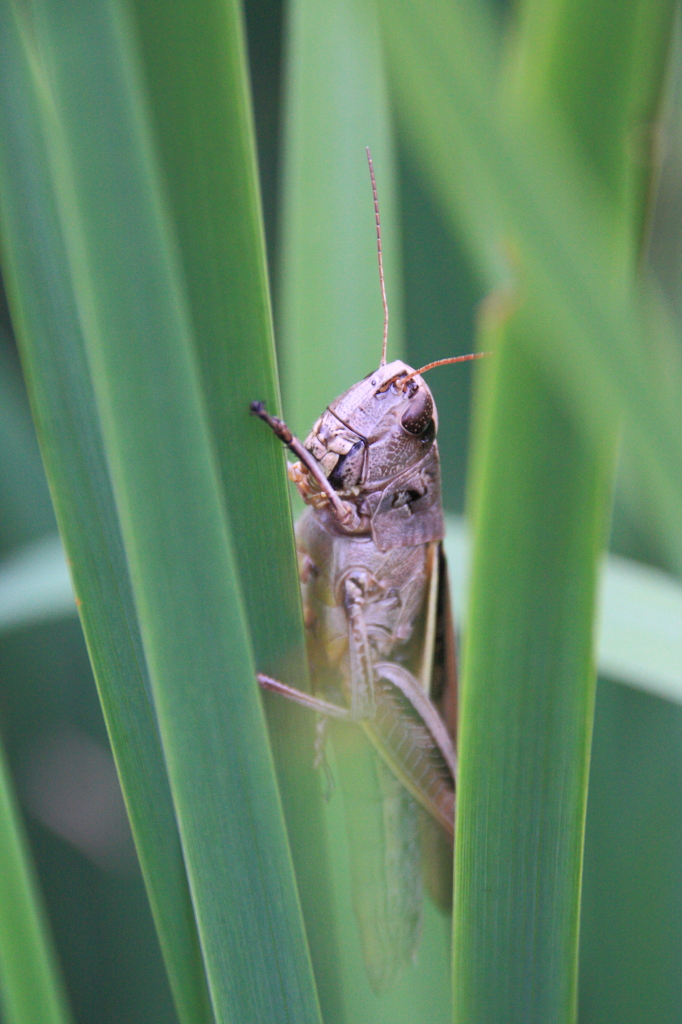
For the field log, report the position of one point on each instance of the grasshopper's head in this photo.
(376, 445)
(390, 428)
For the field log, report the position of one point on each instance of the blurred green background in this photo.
(631, 932)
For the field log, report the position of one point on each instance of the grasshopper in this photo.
(380, 639)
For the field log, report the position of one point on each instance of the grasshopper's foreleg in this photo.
(343, 510)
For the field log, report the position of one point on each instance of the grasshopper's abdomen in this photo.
(388, 760)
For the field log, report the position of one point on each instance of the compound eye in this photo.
(419, 413)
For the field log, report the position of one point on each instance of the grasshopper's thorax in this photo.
(376, 445)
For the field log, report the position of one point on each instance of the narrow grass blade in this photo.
(329, 302)
(31, 989)
(527, 697)
(330, 333)
(202, 127)
(122, 258)
(46, 317)
(541, 503)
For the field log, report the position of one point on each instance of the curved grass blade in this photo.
(46, 317)
(524, 198)
(30, 986)
(122, 261)
(639, 642)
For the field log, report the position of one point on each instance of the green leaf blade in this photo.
(544, 462)
(123, 262)
(329, 310)
(329, 336)
(204, 138)
(514, 185)
(31, 988)
(527, 701)
(45, 313)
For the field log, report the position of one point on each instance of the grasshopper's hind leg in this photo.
(306, 700)
(320, 758)
(412, 691)
(320, 761)
(325, 710)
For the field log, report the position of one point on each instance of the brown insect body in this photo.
(380, 640)
(380, 643)
(366, 583)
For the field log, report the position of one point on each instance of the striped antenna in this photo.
(381, 261)
(442, 362)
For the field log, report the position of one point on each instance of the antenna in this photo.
(442, 362)
(381, 262)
